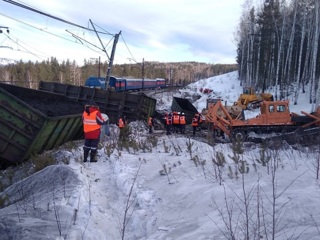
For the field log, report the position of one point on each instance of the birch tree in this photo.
(298, 76)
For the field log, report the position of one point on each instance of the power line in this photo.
(79, 40)
(132, 57)
(43, 30)
(26, 50)
(49, 15)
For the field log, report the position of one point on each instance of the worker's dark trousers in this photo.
(168, 129)
(90, 145)
(194, 130)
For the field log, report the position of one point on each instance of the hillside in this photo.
(29, 74)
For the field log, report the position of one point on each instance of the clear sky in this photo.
(153, 30)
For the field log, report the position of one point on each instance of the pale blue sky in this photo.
(156, 30)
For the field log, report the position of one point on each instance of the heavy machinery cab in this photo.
(249, 99)
(274, 117)
(276, 112)
(248, 90)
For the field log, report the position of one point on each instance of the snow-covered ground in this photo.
(171, 187)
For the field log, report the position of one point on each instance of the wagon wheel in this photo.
(239, 135)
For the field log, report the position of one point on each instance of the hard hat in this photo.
(182, 113)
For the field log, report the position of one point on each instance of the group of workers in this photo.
(175, 122)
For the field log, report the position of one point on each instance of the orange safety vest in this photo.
(121, 123)
(89, 121)
(182, 120)
(175, 119)
(195, 121)
(150, 121)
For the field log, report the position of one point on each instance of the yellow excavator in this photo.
(249, 99)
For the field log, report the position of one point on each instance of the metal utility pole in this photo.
(111, 58)
(116, 38)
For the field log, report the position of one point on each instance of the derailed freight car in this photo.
(185, 106)
(32, 121)
(114, 104)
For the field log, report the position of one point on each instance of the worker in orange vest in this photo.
(168, 120)
(121, 124)
(195, 123)
(182, 122)
(175, 121)
(92, 121)
(150, 123)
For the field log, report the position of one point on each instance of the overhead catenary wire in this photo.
(25, 49)
(43, 30)
(78, 39)
(128, 49)
(99, 39)
(49, 15)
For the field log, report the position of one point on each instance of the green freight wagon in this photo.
(184, 105)
(136, 106)
(32, 121)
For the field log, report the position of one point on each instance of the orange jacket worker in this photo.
(121, 123)
(92, 121)
(150, 123)
(182, 121)
(195, 123)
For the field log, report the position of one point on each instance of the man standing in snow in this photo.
(195, 123)
(168, 123)
(182, 121)
(150, 123)
(92, 121)
(122, 125)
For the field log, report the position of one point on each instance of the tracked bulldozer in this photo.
(274, 119)
(249, 99)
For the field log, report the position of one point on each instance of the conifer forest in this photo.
(278, 45)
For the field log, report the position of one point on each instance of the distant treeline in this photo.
(29, 74)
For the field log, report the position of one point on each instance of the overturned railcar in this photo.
(185, 106)
(114, 104)
(32, 121)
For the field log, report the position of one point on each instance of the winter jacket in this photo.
(182, 120)
(92, 121)
(195, 122)
(121, 123)
(150, 122)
